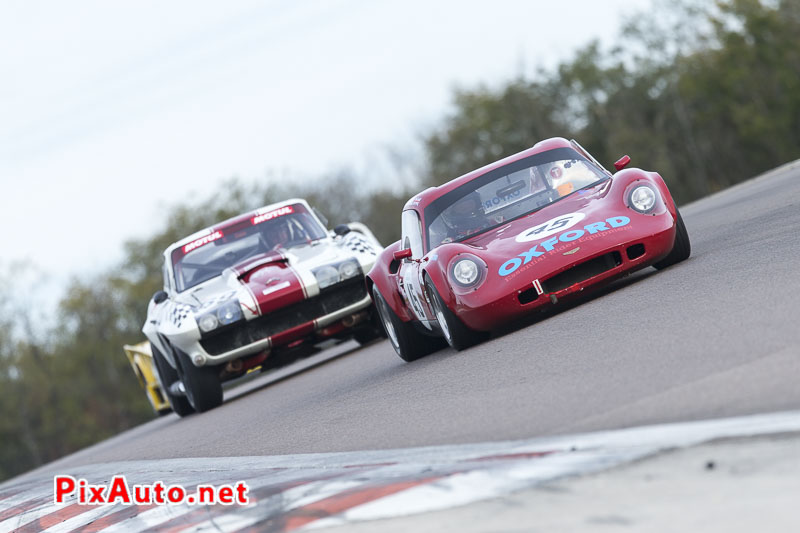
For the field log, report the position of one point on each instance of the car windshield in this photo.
(506, 193)
(266, 231)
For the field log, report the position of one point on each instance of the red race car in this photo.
(515, 236)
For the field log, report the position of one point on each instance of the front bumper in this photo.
(283, 326)
(530, 292)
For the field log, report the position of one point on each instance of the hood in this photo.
(261, 283)
(270, 281)
(556, 228)
(315, 255)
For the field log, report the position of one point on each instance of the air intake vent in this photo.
(582, 272)
(637, 250)
(527, 296)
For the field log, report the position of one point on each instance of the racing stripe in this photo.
(300, 279)
(266, 259)
(274, 285)
(255, 310)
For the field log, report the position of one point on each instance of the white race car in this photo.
(252, 291)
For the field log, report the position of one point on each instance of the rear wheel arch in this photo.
(391, 294)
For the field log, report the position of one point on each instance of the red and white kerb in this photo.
(269, 215)
(197, 243)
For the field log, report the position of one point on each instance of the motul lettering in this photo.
(285, 210)
(202, 241)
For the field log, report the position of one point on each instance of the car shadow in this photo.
(573, 301)
(246, 386)
(535, 317)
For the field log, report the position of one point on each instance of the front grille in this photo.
(328, 301)
(582, 272)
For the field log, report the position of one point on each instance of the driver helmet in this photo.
(466, 215)
(279, 235)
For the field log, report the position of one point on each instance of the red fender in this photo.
(436, 270)
(623, 178)
(383, 275)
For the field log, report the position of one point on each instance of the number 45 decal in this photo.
(554, 225)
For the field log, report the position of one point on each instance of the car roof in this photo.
(235, 220)
(420, 201)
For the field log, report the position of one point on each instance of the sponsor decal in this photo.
(508, 195)
(552, 226)
(269, 215)
(202, 241)
(547, 246)
(413, 300)
(274, 288)
(538, 286)
(501, 201)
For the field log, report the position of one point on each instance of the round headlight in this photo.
(327, 276)
(643, 199)
(348, 269)
(207, 323)
(229, 313)
(465, 272)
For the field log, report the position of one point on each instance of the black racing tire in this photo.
(366, 335)
(202, 384)
(168, 375)
(372, 331)
(682, 248)
(409, 343)
(457, 334)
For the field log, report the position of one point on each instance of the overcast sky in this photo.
(110, 111)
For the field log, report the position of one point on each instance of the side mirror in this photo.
(622, 162)
(342, 229)
(159, 297)
(402, 254)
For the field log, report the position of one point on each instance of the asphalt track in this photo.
(715, 336)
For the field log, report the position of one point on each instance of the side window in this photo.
(412, 233)
(165, 274)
